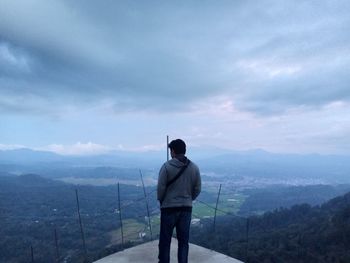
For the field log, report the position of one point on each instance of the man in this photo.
(179, 183)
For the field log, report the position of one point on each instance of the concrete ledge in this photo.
(148, 253)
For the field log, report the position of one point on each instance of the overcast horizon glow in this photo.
(88, 77)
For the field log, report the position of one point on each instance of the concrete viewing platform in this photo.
(148, 253)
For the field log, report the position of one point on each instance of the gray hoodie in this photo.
(184, 190)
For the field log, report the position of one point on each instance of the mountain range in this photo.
(212, 161)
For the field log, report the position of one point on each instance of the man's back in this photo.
(179, 183)
(184, 190)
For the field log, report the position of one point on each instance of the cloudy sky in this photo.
(82, 77)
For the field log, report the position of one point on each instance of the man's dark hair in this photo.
(178, 145)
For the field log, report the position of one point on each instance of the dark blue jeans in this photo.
(170, 218)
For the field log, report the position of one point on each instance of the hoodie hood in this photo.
(178, 161)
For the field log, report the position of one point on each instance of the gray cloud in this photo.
(268, 56)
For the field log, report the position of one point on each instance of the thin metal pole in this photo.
(56, 245)
(120, 217)
(81, 225)
(167, 148)
(299, 246)
(148, 215)
(216, 207)
(32, 253)
(247, 239)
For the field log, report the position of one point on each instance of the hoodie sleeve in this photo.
(197, 185)
(162, 181)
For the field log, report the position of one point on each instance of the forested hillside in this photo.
(31, 207)
(299, 234)
(273, 197)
